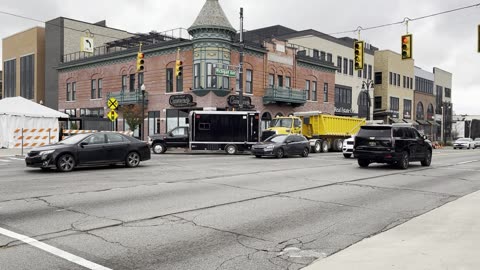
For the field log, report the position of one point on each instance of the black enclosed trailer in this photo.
(224, 130)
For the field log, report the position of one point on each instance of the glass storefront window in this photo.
(177, 118)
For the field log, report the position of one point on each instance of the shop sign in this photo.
(395, 114)
(343, 110)
(407, 115)
(184, 100)
(234, 101)
(86, 44)
(225, 72)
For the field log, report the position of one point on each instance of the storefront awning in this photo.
(433, 123)
(423, 122)
(395, 120)
(410, 121)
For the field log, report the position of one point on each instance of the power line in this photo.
(406, 20)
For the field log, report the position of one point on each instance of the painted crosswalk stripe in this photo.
(4, 160)
(53, 250)
(17, 158)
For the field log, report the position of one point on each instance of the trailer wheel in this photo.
(324, 147)
(318, 147)
(231, 149)
(337, 145)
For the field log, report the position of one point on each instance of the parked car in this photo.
(347, 148)
(282, 145)
(392, 144)
(477, 143)
(464, 143)
(91, 149)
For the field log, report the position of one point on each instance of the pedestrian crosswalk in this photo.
(10, 160)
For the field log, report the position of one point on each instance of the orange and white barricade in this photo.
(34, 137)
(70, 132)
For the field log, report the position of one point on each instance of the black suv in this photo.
(392, 144)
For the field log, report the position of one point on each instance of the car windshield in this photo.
(74, 139)
(375, 132)
(277, 139)
(281, 122)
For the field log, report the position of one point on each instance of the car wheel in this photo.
(258, 156)
(347, 155)
(65, 163)
(454, 148)
(231, 149)
(428, 160)
(468, 148)
(318, 147)
(403, 162)
(132, 160)
(280, 153)
(159, 148)
(363, 163)
(305, 152)
(324, 147)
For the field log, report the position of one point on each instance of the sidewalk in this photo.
(445, 238)
(13, 152)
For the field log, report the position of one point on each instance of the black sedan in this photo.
(103, 148)
(282, 145)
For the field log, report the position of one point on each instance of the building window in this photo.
(153, 123)
(314, 91)
(448, 93)
(359, 73)
(411, 85)
(420, 112)
(364, 71)
(93, 89)
(71, 112)
(378, 103)
(27, 76)
(211, 78)
(404, 82)
(322, 56)
(124, 83)
(169, 79)
(69, 92)
(325, 92)
(271, 80)
(350, 68)
(196, 76)
(370, 68)
(179, 83)
(339, 64)
(266, 119)
(407, 108)
(140, 80)
(345, 66)
(329, 57)
(226, 83)
(316, 53)
(391, 78)
(10, 77)
(307, 89)
(288, 83)
(343, 97)
(439, 99)
(100, 87)
(132, 82)
(74, 91)
(394, 104)
(395, 79)
(92, 112)
(398, 79)
(280, 80)
(249, 82)
(378, 78)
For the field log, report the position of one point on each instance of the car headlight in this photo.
(269, 147)
(44, 154)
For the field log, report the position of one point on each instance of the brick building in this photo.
(277, 78)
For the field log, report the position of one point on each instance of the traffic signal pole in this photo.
(240, 74)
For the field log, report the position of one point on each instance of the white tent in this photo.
(24, 122)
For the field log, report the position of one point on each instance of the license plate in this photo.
(372, 143)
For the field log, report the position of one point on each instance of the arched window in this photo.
(279, 114)
(430, 112)
(420, 112)
(266, 118)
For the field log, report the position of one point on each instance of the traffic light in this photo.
(407, 46)
(140, 62)
(359, 47)
(178, 68)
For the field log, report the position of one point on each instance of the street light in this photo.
(445, 105)
(366, 88)
(142, 130)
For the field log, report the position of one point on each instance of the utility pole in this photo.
(240, 73)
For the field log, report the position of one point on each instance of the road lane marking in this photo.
(17, 158)
(4, 160)
(466, 162)
(53, 250)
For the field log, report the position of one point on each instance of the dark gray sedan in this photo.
(103, 148)
(282, 145)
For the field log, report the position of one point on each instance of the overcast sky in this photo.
(446, 41)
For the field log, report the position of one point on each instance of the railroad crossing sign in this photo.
(112, 103)
(112, 115)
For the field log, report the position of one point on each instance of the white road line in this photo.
(53, 250)
(4, 160)
(22, 159)
(466, 162)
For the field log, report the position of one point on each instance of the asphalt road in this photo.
(212, 211)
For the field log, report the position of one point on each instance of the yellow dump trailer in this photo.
(325, 132)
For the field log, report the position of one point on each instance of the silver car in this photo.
(477, 143)
(464, 143)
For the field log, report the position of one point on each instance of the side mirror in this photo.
(82, 144)
(425, 137)
(170, 134)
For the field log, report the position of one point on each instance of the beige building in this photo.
(350, 100)
(24, 64)
(394, 87)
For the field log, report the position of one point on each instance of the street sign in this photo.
(225, 72)
(112, 103)
(112, 115)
